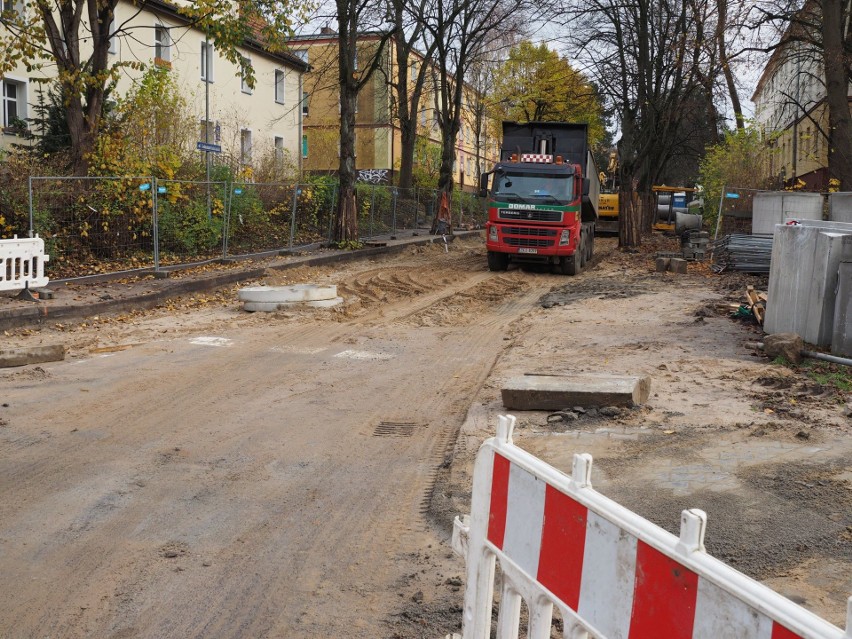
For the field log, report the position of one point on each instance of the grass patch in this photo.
(828, 374)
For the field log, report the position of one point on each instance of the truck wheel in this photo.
(497, 261)
(570, 265)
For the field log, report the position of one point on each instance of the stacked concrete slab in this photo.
(841, 341)
(771, 207)
(840, 207)
(803, 280)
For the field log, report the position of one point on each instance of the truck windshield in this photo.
(530, 187)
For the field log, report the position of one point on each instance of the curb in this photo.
(39, 314)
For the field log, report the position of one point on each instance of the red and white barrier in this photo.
(22, 264)
(611, 573)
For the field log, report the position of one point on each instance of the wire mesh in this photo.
(259, 217)
(93, 225)
(190, 220)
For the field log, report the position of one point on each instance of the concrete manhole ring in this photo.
(287, 294)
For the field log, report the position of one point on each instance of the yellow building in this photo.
(378, 141)
(244, 121)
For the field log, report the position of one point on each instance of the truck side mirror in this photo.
(483, 184)
(586, 186)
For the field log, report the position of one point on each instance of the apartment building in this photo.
(791, 112)
(243, 120)
(377, 136)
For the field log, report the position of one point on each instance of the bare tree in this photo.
(819, 31)
(646, 63)
(354, 72)
(461, 29)
(409, 80)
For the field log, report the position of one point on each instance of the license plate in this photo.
(527, 250)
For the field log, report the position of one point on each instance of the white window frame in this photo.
(208, 55)
(280, 80)
(11, 5)
(244, 87)
(20, 100)
(279, 148)
(306, 110)
(246, 154)
(164, 45)
(302, 54)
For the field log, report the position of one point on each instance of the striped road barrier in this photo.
(22, 264)
(610, 573)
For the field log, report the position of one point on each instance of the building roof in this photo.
(255, 42)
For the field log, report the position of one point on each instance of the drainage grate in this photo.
(395, 429)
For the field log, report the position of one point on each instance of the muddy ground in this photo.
(299, 476)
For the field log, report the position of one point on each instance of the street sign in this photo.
(210, 148)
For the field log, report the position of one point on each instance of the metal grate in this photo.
(395, 429)
(519, 230)
(530, 214)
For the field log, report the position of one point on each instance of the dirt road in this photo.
(196, 471)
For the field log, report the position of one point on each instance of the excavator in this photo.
(608, 198)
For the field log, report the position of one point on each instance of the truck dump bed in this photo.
(568, 139)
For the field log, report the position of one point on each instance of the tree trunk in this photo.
(722, 9)
(629, 217)
(346, 223)
(408, 138)
(836, 86)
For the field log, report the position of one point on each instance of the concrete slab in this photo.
(554, 392)
(772, 207)
(840, 207)
(819, 325)
(790, 271)
(841, 342)
(10, 357)
(803, 279)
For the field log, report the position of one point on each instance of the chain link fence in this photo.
(99, 225)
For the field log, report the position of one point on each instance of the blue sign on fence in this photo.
(161, 189)
(145, 187)
(732, 196)
(238, 191)
(210, 148)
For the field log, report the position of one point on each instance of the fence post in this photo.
(226, 222)
(372, 208)
(156, 221)
(293, 217)
(30, 191)
(719, 218)
(416, 205)
(394, 194)
(332, 213)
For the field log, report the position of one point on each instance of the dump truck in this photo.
(542, 197)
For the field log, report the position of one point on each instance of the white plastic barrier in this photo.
(22, 264)
(611, 573)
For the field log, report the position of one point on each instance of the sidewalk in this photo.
(123, 292)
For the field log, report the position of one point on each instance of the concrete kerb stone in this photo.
(36, 314)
